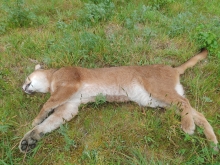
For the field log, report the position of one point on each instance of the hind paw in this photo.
(188, 125)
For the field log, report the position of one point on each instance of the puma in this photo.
(153, 86)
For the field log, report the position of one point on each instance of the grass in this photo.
(107, 33)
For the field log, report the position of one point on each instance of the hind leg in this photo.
(183, 104)
(201, 121)
(189, 116)
(61, 114)
(172, 97)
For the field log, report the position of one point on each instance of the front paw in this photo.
(30, 140)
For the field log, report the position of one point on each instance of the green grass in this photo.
(103, 33)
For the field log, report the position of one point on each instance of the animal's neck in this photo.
(49, 74)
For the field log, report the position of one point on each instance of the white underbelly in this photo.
(139, 95)
(88, 92)
(133, 92)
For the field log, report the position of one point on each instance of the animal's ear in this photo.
(38, 66)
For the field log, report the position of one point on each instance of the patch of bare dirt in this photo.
(111, 29)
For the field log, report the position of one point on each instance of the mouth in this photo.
(28, 92)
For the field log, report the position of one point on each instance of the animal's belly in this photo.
(89, 92)
(142, 97)
(133, 92)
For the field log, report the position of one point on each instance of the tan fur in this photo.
(154, 85)
(190, 63)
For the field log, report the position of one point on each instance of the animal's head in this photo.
(37, 81)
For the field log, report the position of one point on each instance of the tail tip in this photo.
(204, 50)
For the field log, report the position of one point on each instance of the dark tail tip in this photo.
(203, 49)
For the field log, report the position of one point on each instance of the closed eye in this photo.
(27, 86)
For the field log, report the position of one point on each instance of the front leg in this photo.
(61, 114)
(57, 98)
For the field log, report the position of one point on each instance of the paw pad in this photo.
(27, 145)
(29, 141)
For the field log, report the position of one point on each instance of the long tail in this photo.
(191, 62)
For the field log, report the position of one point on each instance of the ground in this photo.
(104, 33)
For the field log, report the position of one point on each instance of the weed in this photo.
(61, 25)
(205, 155)
(149, 141)
(3, 27)
(177, 26)
(94, 13)
(141, 16)
(89, 156)
(138, 16)
(207, 39)
(160, 4)
(18, 15)
(100, 99)
(6, 150)
(207, 99)
(88, 42)
(68, 141)
(138, 158)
